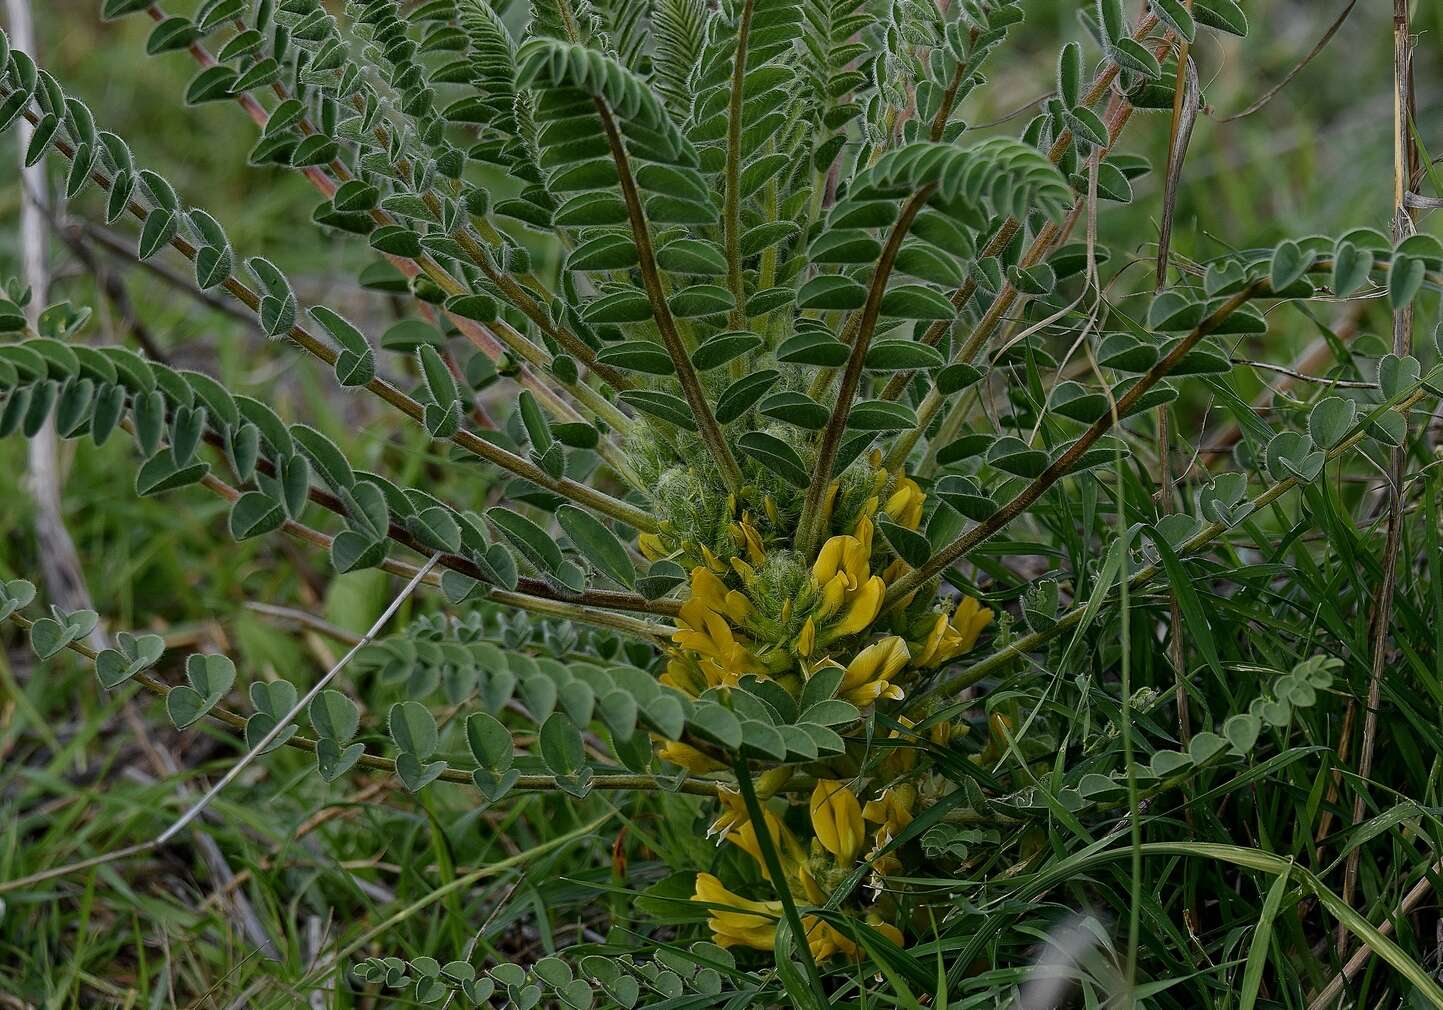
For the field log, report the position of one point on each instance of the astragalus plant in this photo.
(800, 477)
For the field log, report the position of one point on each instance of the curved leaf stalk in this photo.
(974, 674)
(656, 634)
(986, 530)
(606, 599)
(461, 776)
(580, 493)
(1008, 229)
(731, 197)
(479, 336)
(1042, 243)
(711, 433)
(831, 440)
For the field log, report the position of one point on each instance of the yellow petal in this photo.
(927, 655)
(733, 813)
(734, 920)
(829, 501)
(829, 558)
(878, 661)
(974, 619)
(837, 820)
(807, 640)
(789, 850)
(862, 610)
(856, 561)
(738, 607)
(707, 589)
(905, 504)
(753, 541)
(888, 930)
(746, 571)
(688, 757)
(865, 528)
(834, 593)
(824, 941)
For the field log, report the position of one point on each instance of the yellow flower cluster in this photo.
(728, 631)
(950, 637)
(839, 824)
(762, 610)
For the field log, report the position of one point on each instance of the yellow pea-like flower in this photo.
(833, 595)
(862, 609)
(888, 930)
(831, 559)
(927, 651)
(707, 589)
(733, 813)
(712, 561)
(899, 760)
(751, 540)
(865, 528)
(940, 733)
(948, 639)
(736, 921)
(869, 674)
(969, 621)
(905, 504)
(685, 676)
(891, 812)
(747, 572)
(828, 503)
(824, 940)
(688, 757)
(837, 820)
(770, 782)
(789, 850)
(857, 560)
(738, 607)
(893, 809)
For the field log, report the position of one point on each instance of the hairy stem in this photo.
(831, 440)
(711, 433)
(732, 197)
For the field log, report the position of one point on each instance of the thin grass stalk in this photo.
(1404, 163)
(1019, 647)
